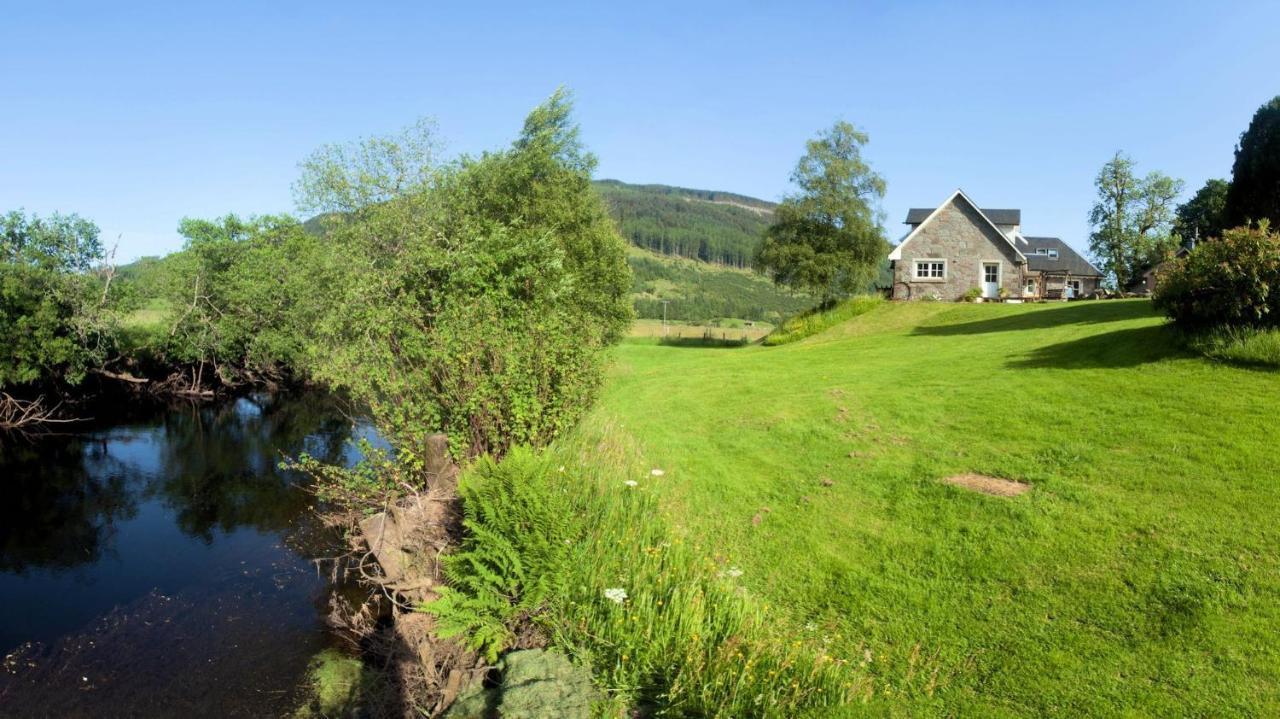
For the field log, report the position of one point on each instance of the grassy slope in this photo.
(1139, 575)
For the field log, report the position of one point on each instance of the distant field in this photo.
(1139, 576)
(654, 328)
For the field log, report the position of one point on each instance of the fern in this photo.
(518, 525)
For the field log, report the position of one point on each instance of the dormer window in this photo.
(1050, 253)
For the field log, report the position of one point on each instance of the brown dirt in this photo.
(988, 485)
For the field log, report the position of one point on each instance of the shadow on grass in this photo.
(1119, 349)
(702, 342)
(1082, 312)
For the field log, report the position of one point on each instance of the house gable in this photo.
(959, 201)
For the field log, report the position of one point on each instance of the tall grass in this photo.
(820, 318)
(661, 627)
(1239, 345)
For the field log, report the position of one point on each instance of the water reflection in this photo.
(169, 541)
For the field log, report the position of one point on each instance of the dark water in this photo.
(162, 565)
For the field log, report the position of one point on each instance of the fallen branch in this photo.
(121, 376)
(17, 413)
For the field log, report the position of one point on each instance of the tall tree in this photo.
(827, 238)
(1132, 219)
(1201, 217)
(351, 176)
(1255, 176)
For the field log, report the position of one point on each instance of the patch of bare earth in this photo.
(988, 485)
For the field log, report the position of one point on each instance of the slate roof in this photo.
(916, 215)
(1068, 260)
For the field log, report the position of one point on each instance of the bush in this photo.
(480, 306)
(821, 318)
(971, 295)
(52, 325)
(655, 622)
(1231, 282)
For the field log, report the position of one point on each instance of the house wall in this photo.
(958, 234)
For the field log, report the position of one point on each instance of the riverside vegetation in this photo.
(482, 297)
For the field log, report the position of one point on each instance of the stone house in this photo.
(958, 247)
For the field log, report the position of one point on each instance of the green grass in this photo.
(573, 541)
(1139, 577)
(1245, 346)
(147, 325)
(817, 320)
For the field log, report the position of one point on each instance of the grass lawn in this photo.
(1140, 576)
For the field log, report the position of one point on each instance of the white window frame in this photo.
(919, 261)
(1029, 286)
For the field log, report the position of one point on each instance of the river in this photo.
(161, 564)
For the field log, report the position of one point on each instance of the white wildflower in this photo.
(733, 572)
(562, 469)
(631, 483)
(810, 627)
(656, 472)
(617, 595)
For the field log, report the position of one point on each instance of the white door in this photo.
(990, 279)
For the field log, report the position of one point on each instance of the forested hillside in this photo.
(701, 291)
(705, 225)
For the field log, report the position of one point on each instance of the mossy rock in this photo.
(535, 684)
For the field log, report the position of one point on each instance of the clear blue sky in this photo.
(135, 117)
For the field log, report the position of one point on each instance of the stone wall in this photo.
(962, 237)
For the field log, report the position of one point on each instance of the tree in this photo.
(826, 238)
(245, 293)
(480, 305)
(1132, 219)
(53, 328)
(349, 177)
(1255, 176)
(1201, 217)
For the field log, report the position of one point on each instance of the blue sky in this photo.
(137, 116)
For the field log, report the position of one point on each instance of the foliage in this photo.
(655, 622)
(244, 293)
(535, 683)
(1233, 282)
(1255, 177)
(480, 307)
(53, 320)
(698, 292)
(972, 294)
(1203, 216)
(717, 227)
(1132, 219)
(512, 559)
(821, 318)
(956, 601)
(343, 178)
(1244, 346)
(827, 239)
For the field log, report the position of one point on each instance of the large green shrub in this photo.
(479, 306)
(244, 295)
(52, 325)
(1231, 282)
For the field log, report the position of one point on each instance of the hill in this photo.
(706, 225)
(1136, 577)
(693, 248)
